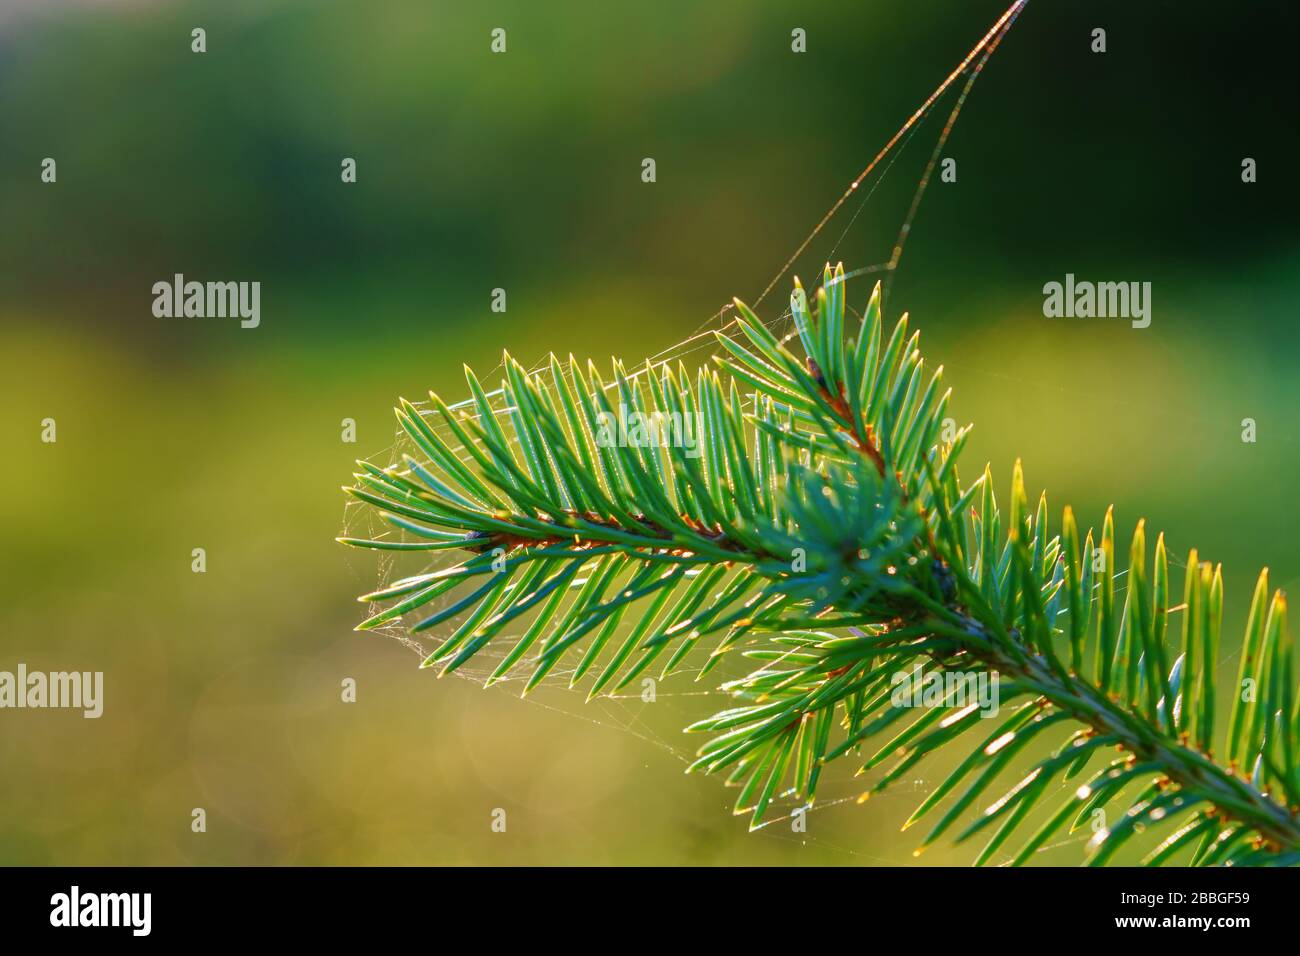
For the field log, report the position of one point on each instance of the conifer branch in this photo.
(806, 513)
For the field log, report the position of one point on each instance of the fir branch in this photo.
(806, 512)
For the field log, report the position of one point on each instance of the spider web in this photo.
(651, 710)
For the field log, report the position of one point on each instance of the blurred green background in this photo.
(522, 171)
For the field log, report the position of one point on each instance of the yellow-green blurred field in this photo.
(222, 688)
